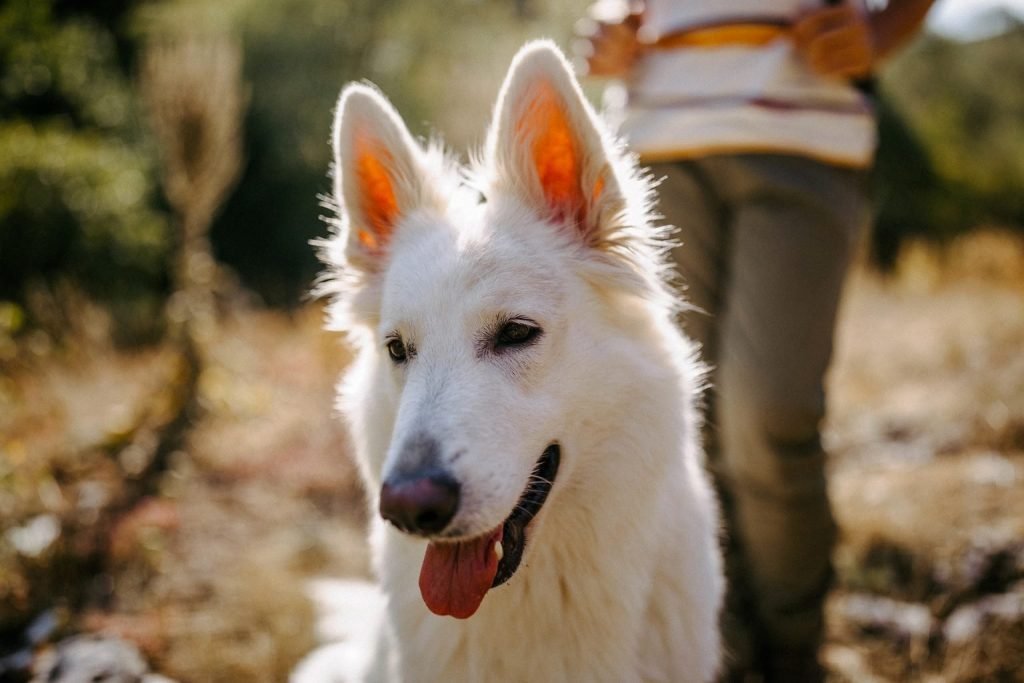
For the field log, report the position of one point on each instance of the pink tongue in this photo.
(456, 576)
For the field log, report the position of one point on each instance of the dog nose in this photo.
(420, 503)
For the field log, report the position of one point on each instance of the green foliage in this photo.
(76, 202)
(440, 63)
(79, 175)
(963, 118)
(54, 67)
(78, 184)
(905, 186)
(78, 188)
(950, 122)
(967, 102)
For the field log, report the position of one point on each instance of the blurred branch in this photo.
(194, 94)
(196, 101)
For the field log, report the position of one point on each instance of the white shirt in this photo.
(730, 94)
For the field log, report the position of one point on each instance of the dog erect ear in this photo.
(378, 172)
(547, 145)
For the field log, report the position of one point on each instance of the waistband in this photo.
(752, 34)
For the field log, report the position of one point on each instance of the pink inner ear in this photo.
(377, 193)
(555, 154)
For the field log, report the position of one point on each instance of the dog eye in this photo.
(515, 333)
(397, 351)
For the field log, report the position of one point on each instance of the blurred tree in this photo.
(440, 63)
(77, 179)
(77, 170)
(443, 63)
(196, 101)
(904, 186)
(298, 53)
(952, 139)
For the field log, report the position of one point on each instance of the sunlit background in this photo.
(171, 474)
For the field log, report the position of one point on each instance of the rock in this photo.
(34, 537)
(93, 659)
(968, 621)
(903, 621)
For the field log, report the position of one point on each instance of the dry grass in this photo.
(267, 498)
(926, 430)
(208, 575)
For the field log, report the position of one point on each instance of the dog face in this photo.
(461, 398)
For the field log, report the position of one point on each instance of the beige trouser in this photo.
(765, 244)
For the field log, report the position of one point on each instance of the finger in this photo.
(585, 27)
(634, 20)
(612, 45)
(599, 30)
(853, 38)
(819, 21)
(846, 63)
(840, 62)
(609, 59)
(582, 49)
(851, 46)
(608, 66)
(619, 33)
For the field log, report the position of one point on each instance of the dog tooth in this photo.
(499, 550)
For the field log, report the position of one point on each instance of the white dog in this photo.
(522, 404)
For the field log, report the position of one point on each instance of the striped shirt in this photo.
(723, 76)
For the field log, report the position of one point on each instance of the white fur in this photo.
(622, 579)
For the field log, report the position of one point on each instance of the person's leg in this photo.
(793, 231)
(689, 200)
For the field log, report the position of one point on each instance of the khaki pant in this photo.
(766, 241)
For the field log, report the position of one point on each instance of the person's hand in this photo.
(608, 46)
(836, 41)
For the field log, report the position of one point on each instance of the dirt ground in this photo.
(926, 433)
(204, 560)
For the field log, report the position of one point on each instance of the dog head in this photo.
(481, 323)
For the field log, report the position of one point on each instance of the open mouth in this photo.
(513, 538)
(455, 576)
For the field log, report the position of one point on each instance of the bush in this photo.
(78, 178)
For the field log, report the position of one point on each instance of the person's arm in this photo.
(897, 24)
(843, 41)
(608, 40)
